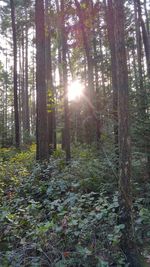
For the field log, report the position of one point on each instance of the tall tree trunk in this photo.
(147, 17)
(97, 93)
(41, 126)
(27, 120)
(17, 132)
(3, 118)
(142, 94)
(127, 241)
(146, 39)
(6, 97)
(33, 98)
(65, 83)
(90, 75)
(111, 36)
(20, 83)
(59, 62)
(49, 80)
(23, 94)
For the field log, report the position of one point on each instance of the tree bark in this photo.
(146, 39)
(111, 37)
(97, 93)
(16, 113)
(142, 94)
(41, 126)
(49, 79)
(127, 241)
(27, 120)
(65, 83)
(90, 75)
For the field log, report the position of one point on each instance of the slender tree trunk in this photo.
(33, 98)
(23, 94)
(60, 64)
(49, 80)
(41, 126)
(147, 17)
(17, 133)
(146, 39)
(27, 120)
(65, 83)
(127, 241)
(97, 93)
(142, 94)
(90, 75)
(6, 97)
(3, 118)
(20, 87)
(111, 36)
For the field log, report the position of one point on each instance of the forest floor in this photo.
(59, 215)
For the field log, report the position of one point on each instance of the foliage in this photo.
(13, 166)
(51, 215)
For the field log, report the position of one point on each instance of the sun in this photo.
(75, 90)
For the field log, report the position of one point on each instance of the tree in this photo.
(87, 44)
(49, 80)
(127, 242)
(65, 83)
(27, 120)
(17, 130)
(146, 39)
(141, 90)
(41, 126)
(111, 37)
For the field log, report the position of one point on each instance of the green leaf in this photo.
(102, 263)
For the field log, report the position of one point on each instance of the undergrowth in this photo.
(57, 215)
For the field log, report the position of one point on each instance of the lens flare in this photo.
(75, 90)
